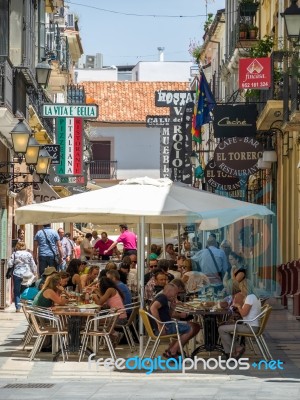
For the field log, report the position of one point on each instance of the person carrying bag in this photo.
(24, 271)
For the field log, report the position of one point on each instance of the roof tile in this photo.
(128, 101)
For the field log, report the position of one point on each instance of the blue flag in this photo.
(206, 103)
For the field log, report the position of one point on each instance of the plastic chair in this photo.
(146, 317)
(134, 307)
(39, 317)
(101, 326)
(258, 337)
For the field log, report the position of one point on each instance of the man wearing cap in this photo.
(128, 239)
(47, 248)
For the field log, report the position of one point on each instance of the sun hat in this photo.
(49, 271)
(153, 256)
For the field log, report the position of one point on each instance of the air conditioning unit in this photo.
(90, 62)
(70, 21)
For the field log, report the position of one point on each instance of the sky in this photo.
(126, 40)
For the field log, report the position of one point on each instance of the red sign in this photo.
(255, 73)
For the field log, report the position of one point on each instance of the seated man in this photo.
(155, 285)
(162, 311)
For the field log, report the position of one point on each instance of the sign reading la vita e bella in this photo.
(70, 110)
(237, 156)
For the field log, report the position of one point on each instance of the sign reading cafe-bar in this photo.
(70, 110)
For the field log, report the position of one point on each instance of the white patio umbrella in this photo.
(141, 201)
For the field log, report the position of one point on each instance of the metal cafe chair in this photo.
(46, 324)
(258, 337)
(101, 326)
(134, 307)
(152, 337)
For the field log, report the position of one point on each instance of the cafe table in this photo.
(75, 315)
(210, 313)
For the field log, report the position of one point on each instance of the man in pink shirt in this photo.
(103, 244)
(128, 239)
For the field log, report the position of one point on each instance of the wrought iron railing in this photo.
(102, 169)
(75, 94)
(36, 99)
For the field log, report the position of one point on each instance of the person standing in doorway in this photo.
(128, 239)
(47, 248)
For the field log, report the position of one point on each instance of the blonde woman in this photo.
(249, 309)
(24, 267)
(52, 293)
(91, 277)
(193, 280)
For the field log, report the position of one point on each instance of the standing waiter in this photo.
(128, 239)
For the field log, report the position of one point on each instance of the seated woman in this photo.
(74, 268)
(109, 294)
(238, 273)
(90, 278)
(193, 280)
(110, 265)
(250, 309)
(51, 293)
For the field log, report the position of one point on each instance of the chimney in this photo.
(161, 53)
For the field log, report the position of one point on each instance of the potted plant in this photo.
(243, 31)
(252, 31)
(248, 7)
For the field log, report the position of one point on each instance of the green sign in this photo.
(70, 110)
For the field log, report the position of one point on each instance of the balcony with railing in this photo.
(103, 169)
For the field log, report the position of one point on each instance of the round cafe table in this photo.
(75, 314)
(210, 318)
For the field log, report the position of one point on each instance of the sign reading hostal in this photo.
(255, 73)
(237, 120)
(238, 157)
(70, 110)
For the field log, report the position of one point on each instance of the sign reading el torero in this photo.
(238, 157)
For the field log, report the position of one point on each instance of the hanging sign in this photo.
(234, 120)
(70, 110)
(255, 73)
(221, 181)
(238, 157)
(70, 138)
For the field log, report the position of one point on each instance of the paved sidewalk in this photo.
(79, 380)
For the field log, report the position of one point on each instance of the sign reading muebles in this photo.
(239, 121)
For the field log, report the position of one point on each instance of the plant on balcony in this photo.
(243, 31)
(195, 50)
(262, 48)
(252, 29)
(248, 7)
(208, 22)
(252, 94)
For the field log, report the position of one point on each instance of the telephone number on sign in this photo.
(252, 85)
(69, 179)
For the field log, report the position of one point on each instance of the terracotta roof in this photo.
(128, 101)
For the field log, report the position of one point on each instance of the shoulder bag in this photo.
(56, 260)
(216, 265)
(10, 270)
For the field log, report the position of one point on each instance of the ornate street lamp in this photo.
(291, 17)
(43, 71)
(43, 164)
(20, 136)
(32, 154)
